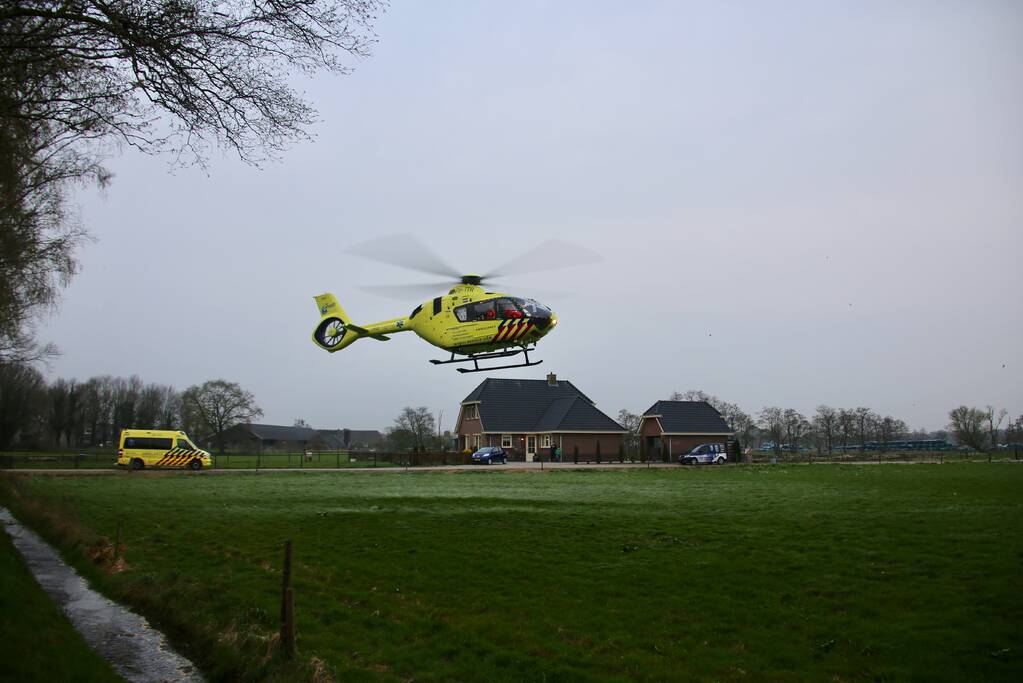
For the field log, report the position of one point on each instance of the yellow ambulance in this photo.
(140, 448)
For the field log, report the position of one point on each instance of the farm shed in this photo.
(528, 417)
(346, 439)
(257, 438)
(676, 427)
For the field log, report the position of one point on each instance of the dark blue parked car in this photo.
(489, 455)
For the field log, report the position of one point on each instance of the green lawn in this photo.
(760, 573)
(39, 643)
(108, 460)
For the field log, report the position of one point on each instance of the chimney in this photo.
(552, 379)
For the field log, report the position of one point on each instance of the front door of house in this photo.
(530, 448)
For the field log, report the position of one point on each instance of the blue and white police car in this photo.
(705, 454)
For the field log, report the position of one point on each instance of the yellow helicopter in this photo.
(467, 321)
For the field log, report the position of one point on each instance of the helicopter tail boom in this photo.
(336, 330)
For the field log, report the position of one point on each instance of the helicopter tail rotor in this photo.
(332, 333)
(336, 330)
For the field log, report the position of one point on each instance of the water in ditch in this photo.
(137, 651)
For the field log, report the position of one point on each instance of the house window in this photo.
(476, 441)
(545, 441)
(471, 412)
(506, 441)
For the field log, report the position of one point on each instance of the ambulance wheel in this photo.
(195, 465)
(137, 464)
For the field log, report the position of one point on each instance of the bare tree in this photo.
(968, 426)
(994, 422)
(220, 405)
(825, 423)
(693, 395)
(740, 422)
(22, 396)
(630, 421)
(772, 421)
(170, 408)
(126, 392)
(150, 407)
(1014, 431)
(417, 423)
(60, 414)
(846, 426)
(178, 76)
(863, 419)
(887, 429)
(795, 427)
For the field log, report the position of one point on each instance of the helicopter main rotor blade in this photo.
(551, 255)
(543, 295)
(405, 251)
(410, 293)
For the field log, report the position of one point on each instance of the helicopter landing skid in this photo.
(475, 358)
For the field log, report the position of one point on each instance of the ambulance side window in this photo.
(143, 443)
(183, 443)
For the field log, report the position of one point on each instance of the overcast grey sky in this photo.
(798, 203)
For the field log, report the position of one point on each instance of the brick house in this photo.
(679, 426)
(528, 417)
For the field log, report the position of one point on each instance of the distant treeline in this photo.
(66, 413)
(836, 429)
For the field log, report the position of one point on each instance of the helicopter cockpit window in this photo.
(534, 309)
(484, 310)
(480, 311)
(507, 308)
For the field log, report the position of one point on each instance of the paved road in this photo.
(512, 466)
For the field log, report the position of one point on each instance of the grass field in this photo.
(739, 573)
(106, 459)
(38, 643)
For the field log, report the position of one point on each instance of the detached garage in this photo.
(676, 427)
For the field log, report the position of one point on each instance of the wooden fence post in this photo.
(287, 605)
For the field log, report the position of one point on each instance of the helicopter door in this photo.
(530, 448)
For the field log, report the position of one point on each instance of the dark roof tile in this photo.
(534, 405)
(689, 417)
